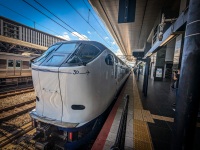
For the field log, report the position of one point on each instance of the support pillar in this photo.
(160, 63)
(146, 76)
(189, 83)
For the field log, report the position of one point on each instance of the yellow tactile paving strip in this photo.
(147, 116)
(141, 135)
(163, 118)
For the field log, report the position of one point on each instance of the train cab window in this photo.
(85, 53)
(55, 61)
(45, 54)
(109, 60)
(18, 63)
(67, 48)
(88, 53)
(74, 60)
(10, 63)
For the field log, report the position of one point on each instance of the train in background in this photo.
(15, 68)
(75, 82)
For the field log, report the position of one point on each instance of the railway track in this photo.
(14, 127)
(19, 138)
(25, 142)
(15, 121)
(11, 102)
(15, 92)
(16, 111)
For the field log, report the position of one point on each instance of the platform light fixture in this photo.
(167, 40)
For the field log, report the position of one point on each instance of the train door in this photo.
(25, 68)
(116, 67)
(17, 68)
(110, 61)
(50, 86)
(116, 74)
(10, 67)
(3, 66)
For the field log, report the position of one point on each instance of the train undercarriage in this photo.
(53, 137)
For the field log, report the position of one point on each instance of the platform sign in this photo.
(126, 12)
(177, 52)
(159, 72)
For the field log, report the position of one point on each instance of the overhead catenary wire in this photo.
(57, 17)
(87, 22)
(27, 18)
(76, 34)
(95, 18)
(51, 19)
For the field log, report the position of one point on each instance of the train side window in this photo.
(10, 63)
(3, 63)
(25, 64)
(18, 63)
(55, 61)
(88, 53)
(109, 60)
(67, 48)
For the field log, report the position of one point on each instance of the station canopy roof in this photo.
(131, 36)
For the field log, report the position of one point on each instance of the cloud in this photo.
(89, 32)
(65, 36)
(80, 36)
(113, 43)
(106, 38)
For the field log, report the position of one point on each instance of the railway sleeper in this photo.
(17, 105)
(15, 93)
(16, 112)
(15, 135)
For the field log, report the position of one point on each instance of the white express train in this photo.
(75, 82)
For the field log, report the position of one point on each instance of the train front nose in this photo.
(46, 83)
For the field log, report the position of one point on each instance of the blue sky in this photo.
(78, 14)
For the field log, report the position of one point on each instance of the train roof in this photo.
(97, 44)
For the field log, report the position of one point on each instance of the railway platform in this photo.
(150, 120)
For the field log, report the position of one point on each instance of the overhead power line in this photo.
(95, 18)
(56, 17)
(51, 19)
(87, 22)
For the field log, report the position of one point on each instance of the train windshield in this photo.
(67, 48)
(84, 54)
(45, 54)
